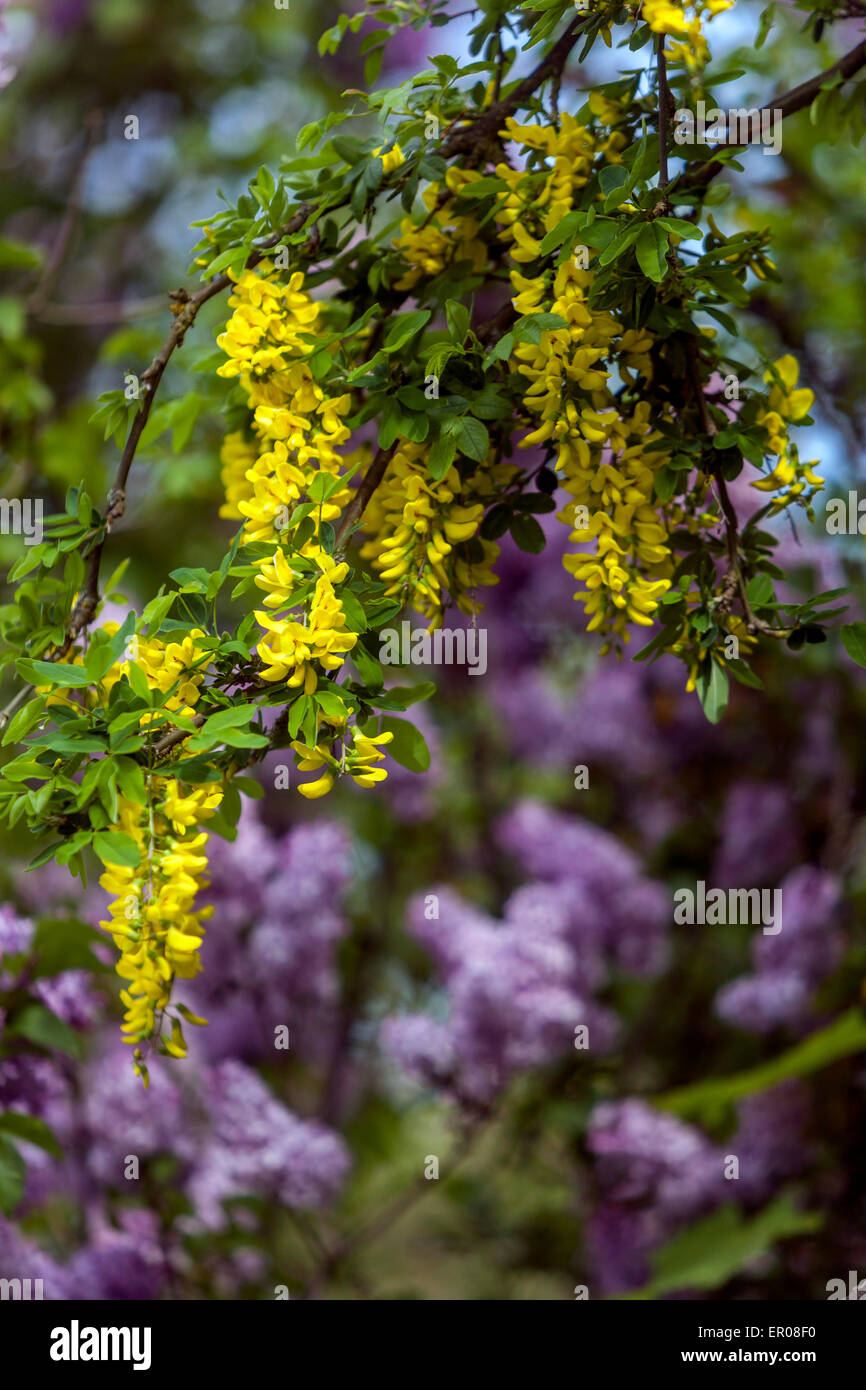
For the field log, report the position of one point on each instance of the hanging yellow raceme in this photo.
(299, 430)
(152, 919)
(793, 480)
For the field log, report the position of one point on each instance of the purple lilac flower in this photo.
(789, 966)
(121, 1117)
(269, 952)
(125, 1263)
(420, 1046)
(645, 1155)
(256, 1146)
(70, 994)
(625, 912)
(115, 1263)
(759, 836)
(654, 1174)
(540, 721)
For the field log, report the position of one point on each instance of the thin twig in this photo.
(664, 117)
(371, 480)
(472, 139)
(786, 104)
(54, 264)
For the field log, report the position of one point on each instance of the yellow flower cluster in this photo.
(602, 454)
(290, 647)
(360, 754)
(299, 430)
(176, 664)
(611, 482)
(178, 667)
(237, 457)
(151, 918)
(443, 238)
(684, 24)
(418, 527)
(794, 480)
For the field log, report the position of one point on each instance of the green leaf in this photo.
(665, 483)
(530, 328)
(64, 943)
(13, 1175)
(240, 738)
(743, 673)
(562, 231)
(39, 1025)
(367, 667)
(613, 177)
(710, 1252)
(25, 720)
(441, 456)
(471, 435)
(680, 227)
(230, 718)
(843, 1038)
(853, 640)
(115, 847)
(501, 351)
(407, 747)
(651, 250)
(620, 243)
(297, 713)
(138, 681)
(760, 591)
(457, 318)
(713, 690)
(527, 534)
(32, 1130)
(403, 327)
(52, 673)
(402, 696)
(15, 255)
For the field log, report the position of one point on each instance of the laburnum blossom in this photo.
(683, 24)
(787, 404)
(152, 919)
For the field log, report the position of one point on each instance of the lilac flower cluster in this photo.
(256, 1145)
(518, 990)
(789, 967)
(654, 1174)
(269, 956)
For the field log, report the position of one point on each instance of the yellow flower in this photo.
(313, 790)
(392, 160)
(151, 918)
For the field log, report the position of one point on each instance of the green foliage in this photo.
(710, 1252)
(845, 1037)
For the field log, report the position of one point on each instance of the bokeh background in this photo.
(434, 1129)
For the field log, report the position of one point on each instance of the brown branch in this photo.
(185, 307)
(786, 104)
(472, 139)
(371, 480)
(164, 745)
(665, 104)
